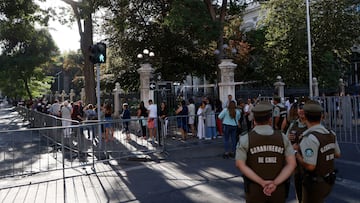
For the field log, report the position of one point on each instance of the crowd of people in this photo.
(270, 141)
(74, 113)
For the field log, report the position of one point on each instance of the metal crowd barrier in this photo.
(43, 149)
(341, 114)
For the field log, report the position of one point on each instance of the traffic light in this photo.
(101, 52)
(98, 53)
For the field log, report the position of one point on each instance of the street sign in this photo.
(152, 86)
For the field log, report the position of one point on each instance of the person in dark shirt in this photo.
(126, 116)
(142, 115)
(163, 119)
(182, 113)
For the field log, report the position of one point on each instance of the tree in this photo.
(25, 61)
(223, 13)
(181, 33)
(24, 49)
(333, 29)
(83, 12)
(178, 47)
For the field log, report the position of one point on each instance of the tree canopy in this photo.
(24, 49)
(333, 33)
(183, 34)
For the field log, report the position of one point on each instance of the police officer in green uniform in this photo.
(294, 133)
(266, 159)
(318, 149)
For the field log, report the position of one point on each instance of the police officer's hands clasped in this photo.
(269, 188)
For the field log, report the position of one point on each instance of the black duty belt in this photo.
(328, 178)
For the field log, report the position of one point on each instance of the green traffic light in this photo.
(101, 58)
(101, 52)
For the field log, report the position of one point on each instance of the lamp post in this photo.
(145, 72)
(146, 55)
(222, 54)
(309, 47)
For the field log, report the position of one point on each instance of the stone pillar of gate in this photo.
(145, 72)
(341, 87)
(227, 84)
(279, 87)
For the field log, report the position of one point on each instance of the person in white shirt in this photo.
(152, 120)
(55, 108)
(230, 98)
(249, 116)
(66, 118)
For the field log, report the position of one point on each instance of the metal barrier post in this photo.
(63, 165)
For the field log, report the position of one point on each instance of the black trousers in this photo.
(315, 191)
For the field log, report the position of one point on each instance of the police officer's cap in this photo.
(263, 108)
(313, 107)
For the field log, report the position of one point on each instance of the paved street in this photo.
(194, 172)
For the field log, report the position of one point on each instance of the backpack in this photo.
(92, 115)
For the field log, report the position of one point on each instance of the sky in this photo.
(66, 37)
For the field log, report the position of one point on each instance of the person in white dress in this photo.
(201, 124)
(66, 118)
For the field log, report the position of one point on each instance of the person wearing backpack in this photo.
(279, 113)
(90, 115)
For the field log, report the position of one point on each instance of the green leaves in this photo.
(333, 31)
(24, 49)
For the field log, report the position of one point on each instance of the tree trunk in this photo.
(27, 88)
(223, 13)
(86, 41)
(89, 75)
